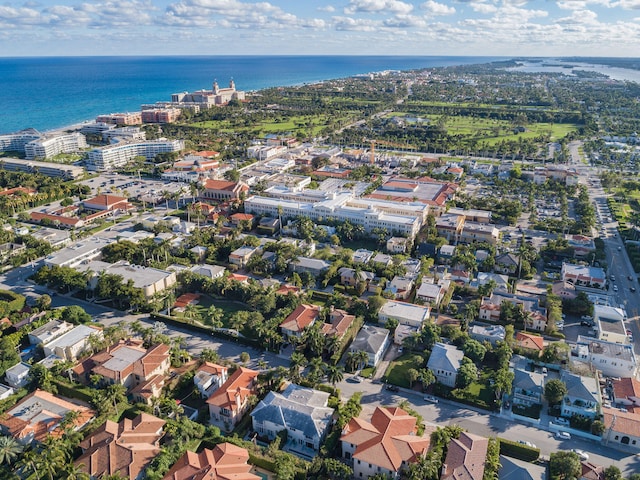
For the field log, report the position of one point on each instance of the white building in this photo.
(444, 362)
(612, 359)
(368, 213)
(47, 147)
(49, 331)
(18, 375)
(15, 142)
(72, 343)
(49, 169)
(119, 154)
(73, 255)
(609, 323)
(404, 313)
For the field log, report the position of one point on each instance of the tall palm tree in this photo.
(362, 358)
(10, 448)
(29, 464)
(75, 472)
(335, 374)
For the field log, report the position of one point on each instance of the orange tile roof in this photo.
(285, 289)
(466, 457)
(150, 388)
(210, 184)
(591, 471)
(105, 200)
(532, 342)
(11, 191)
(225, 462)
(626, 388)
(42, 422)
(388, 440)
(212, 368)
(207, 153)
(303, 316)
(239, 384)
(627, 423)
(340, 322)
(241, 216)
(126, 447)
(236, 277)
(38, 216)
(186, 299)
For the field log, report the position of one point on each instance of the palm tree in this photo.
(9, 450)
(29, 464)
(75, 472)
(335, 374)
(362, 358)
(114, 394)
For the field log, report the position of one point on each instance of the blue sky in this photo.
(307, 27)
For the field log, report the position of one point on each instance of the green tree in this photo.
(42, 378)
(554, 391)
(467, 373)
(10, 448)
(335, 374)
(612, 473)
(564, 465)
(244, 357)
(43, 302)
(474, 350)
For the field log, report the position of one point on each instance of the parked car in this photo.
(563, 435)
(632, 289)
(354, 379)
(528, 444)
(586, 323)
(615, 288)
(581, 453)
(393, 388)
(630, 278)
(586, 317)
(561, 421)
(430, 398)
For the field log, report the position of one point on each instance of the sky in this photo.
(603, 28)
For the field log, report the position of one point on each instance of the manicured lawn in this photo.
(396, 373)
(206, 301)
(367, 372)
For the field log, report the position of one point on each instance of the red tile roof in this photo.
(388, 440)
(626, 388)
(186, 299)
(340, 322)
(124, 448)
(105, 200)
(39, 216)
(531, 342)
(210, 184)
(225, 462)
(627, 423)
(238, 217)
(303, 316)
(239, 384)
(285, 289)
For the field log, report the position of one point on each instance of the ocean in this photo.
(52, 92)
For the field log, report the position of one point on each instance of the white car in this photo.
(528, 444)
(563, 435)
(581, 453)
(561, 421)
(430, 398)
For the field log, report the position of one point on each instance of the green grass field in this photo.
(396, 373)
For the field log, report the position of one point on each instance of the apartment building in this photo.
(68, 172)
(50, 146)
(118, 155)
(15, 142)
(133, 118)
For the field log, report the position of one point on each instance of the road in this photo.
(488, 425)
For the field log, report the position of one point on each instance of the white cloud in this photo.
(405, 21)
(435, 8)
(327, 8)
(628, 4)
(579, 17)
(372, 6)
(352, 24)
(482, 7)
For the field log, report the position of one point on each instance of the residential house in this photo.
(450, 227)
(223, 191)
(6, 391)
(591, 471)
(501, 282)
(301, 411)
(507, 263)
(142, 371)
(514, 469)
(373, 340)
(209, 377)
(39, 415)
(432, 293)
(583, 275)
(404, 313)
(528, 388)
(476, 232)
(149, 280)
(339, 323)
(225, 461)
(229, 403)
(612, 359)
(444, 362)
(210, 271)
(302, 317)
(242, 255)
(397, 245)
(487, 333)
(531, 343)
(383, 259)
(312, 265)
(18, 375)
(402, 332)
(400, 286)
(491, 306)
(244, 220)
(69, 345)
(384, 446)
(583, 396)
(199, 252)
(351, 277)
(48, 332)
(446, 253)
(125, 448)
(362, 256)
(565, 290)
(626, 391)
(581, 244)
(268, 225)
(466, 458)
(622, 429)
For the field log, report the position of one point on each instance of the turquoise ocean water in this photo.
(52, 92)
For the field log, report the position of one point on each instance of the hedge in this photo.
(262, 462)
(73, 391)
(15, 300)
(518, 450)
